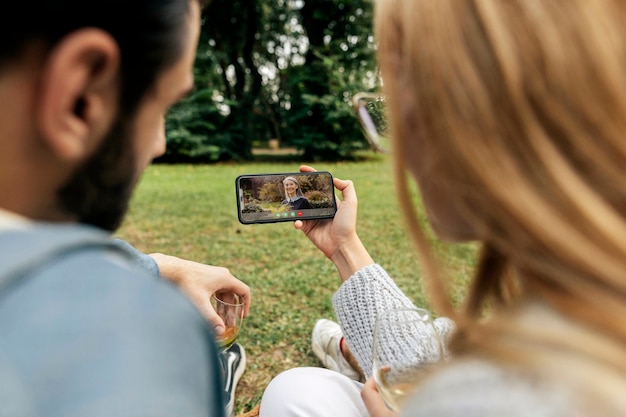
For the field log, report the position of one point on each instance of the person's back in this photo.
(555, 382)
(86, 332)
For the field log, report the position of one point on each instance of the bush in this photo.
(252, 208)
(318, 199)
(271, 192)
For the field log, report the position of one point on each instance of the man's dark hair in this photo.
(149, 34)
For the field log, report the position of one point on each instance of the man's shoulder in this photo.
(91, 319)
(25, 249)
(79, 266)
(71, 276)
(79, 261)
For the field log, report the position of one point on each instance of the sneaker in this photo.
(233, 361)
(325, 341)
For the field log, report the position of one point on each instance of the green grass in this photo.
(190, 211)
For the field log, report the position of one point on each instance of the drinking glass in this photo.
(371, 111)
(229, 307)
(404, 347)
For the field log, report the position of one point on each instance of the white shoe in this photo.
(325, 341)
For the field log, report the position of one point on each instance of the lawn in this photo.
(190, 211)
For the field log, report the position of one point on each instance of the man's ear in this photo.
(78, 93)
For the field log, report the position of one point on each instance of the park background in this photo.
(277, 71)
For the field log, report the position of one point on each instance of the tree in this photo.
(339, 61)
(281, 69)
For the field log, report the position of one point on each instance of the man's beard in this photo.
(98, 193)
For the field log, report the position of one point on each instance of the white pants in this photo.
(313, 392)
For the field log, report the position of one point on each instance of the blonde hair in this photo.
(523, 104)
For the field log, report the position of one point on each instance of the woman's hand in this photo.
(374, 402)
(337, 238)
(199, 282)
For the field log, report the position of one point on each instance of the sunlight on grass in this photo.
(190, 211)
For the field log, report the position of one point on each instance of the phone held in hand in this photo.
(283, 197)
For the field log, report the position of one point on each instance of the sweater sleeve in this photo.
(358, 302)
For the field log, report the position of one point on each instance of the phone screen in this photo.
(270, 198)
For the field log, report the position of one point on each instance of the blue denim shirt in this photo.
(86, 331)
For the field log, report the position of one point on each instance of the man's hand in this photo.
(199, 282)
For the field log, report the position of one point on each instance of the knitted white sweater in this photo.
(358, 302)
(467, 388)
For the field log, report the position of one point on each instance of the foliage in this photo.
(192, 134)
(283, 69)
(252, 208)
(271, 192)
(318, 200)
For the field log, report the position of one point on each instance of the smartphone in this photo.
(283, 197)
